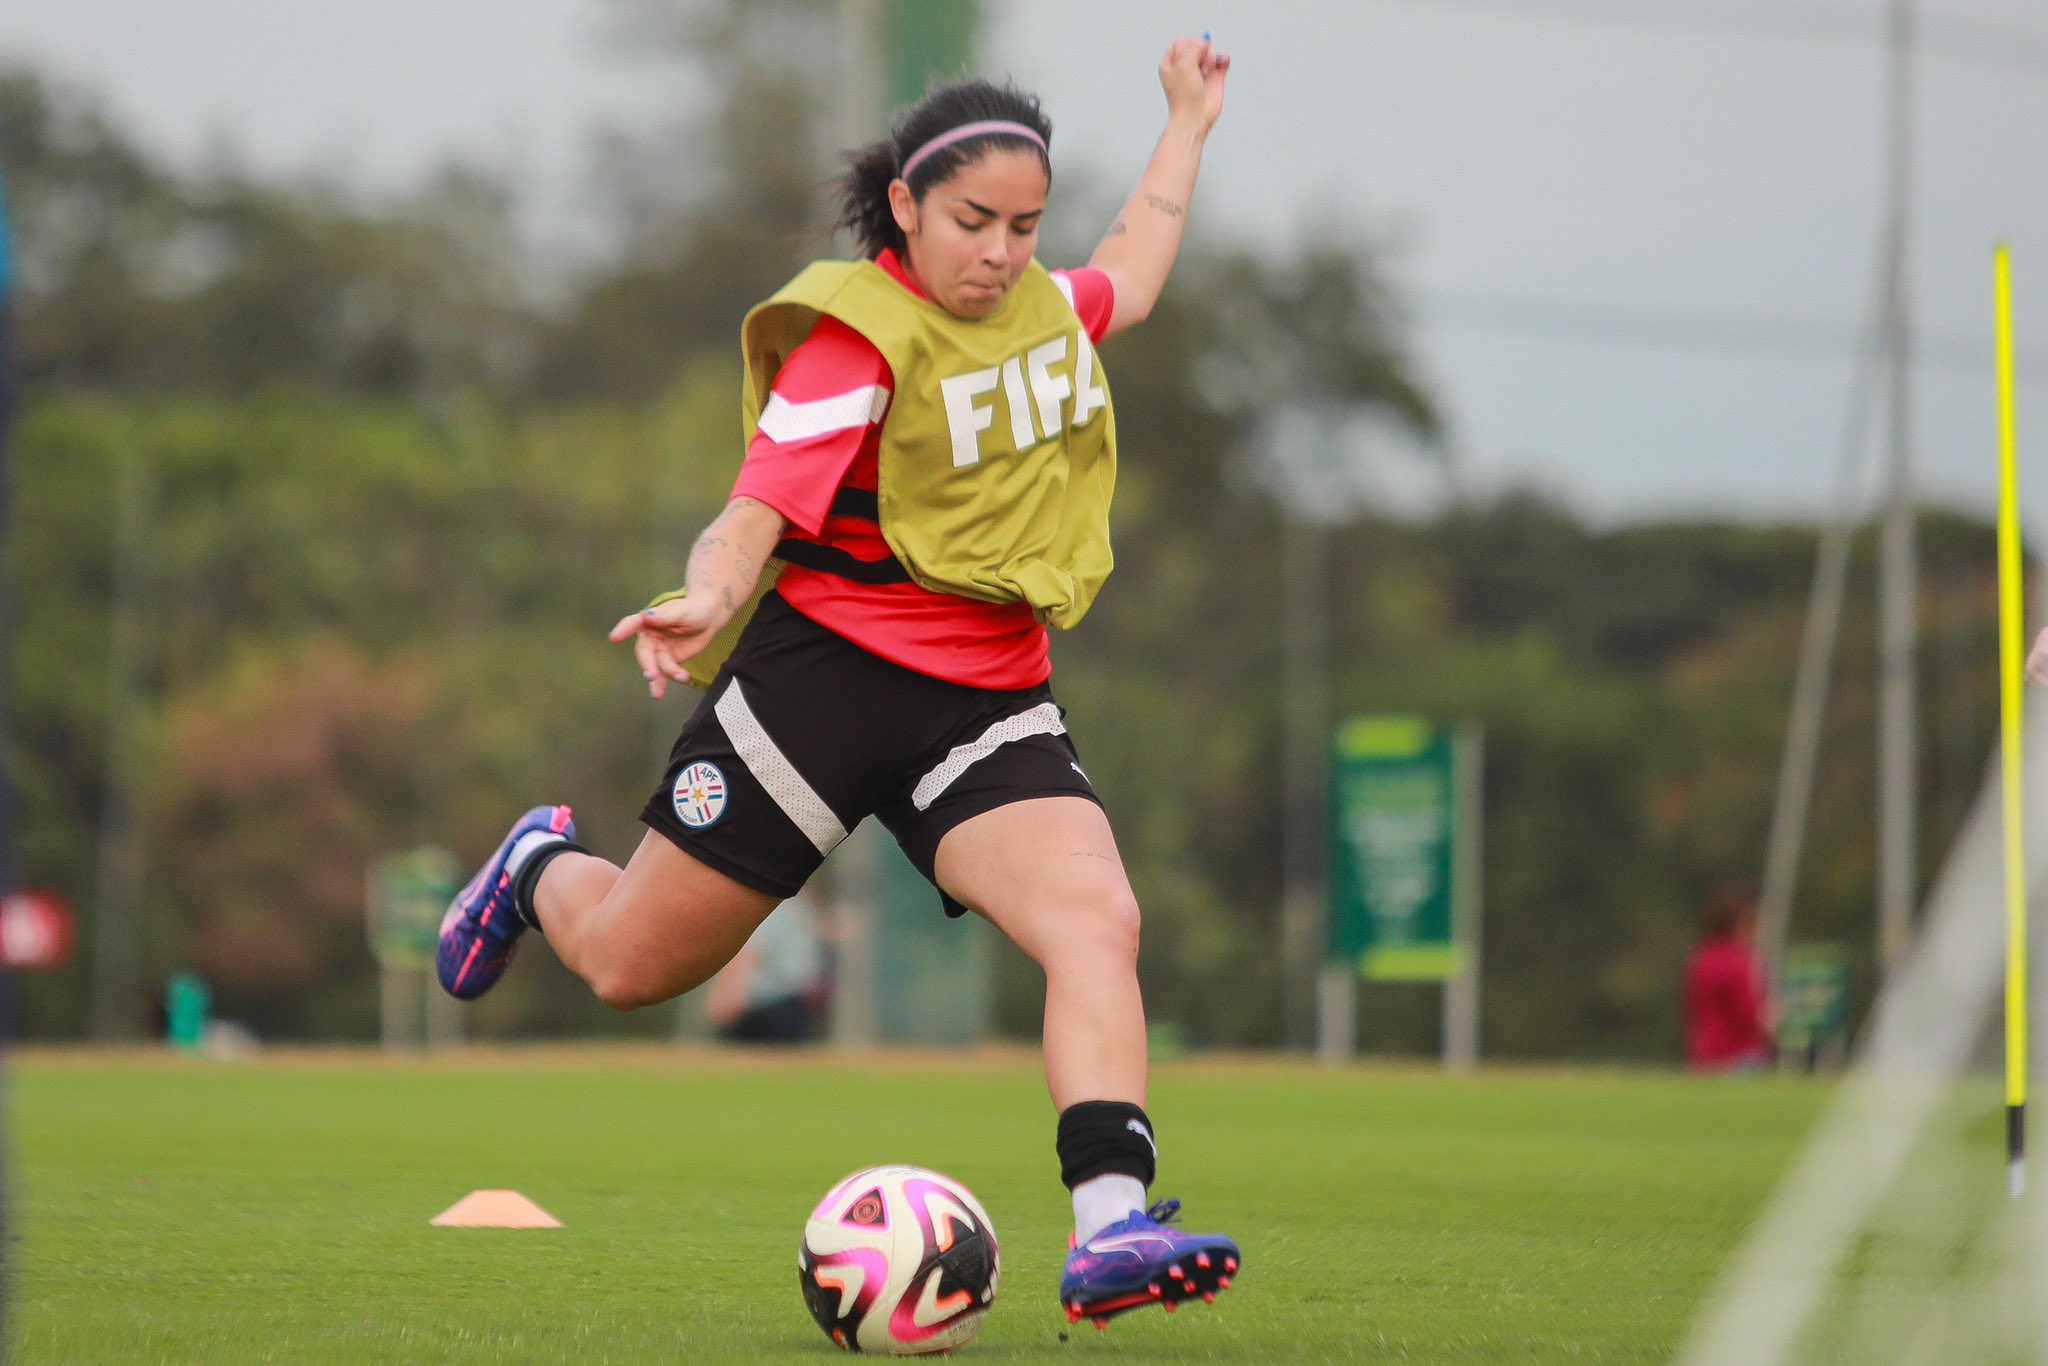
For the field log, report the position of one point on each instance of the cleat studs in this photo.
(1208, 1297)
(1172, 1305)
(1175, 1272)
(1156, 1289)
(1223, 1282)
(1230, 1264)
(1188, 1286)
(1202, 1260)
(1073, 1313)
(1102, 1322)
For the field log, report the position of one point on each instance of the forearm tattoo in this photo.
(744, 562)
(1164, 205)
(746, 570)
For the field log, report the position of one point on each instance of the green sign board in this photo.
(1813, 994)
(409, 893)
(1392, 842)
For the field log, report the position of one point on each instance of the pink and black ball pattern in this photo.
(957, 1274)
(899, 1260)
(840, 1287)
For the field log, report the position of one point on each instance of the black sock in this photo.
(1105, 1137)
(529, 878)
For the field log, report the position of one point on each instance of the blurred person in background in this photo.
(1727, 1006)
(775, 988)
(931, 452)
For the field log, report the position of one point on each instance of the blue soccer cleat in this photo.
(481, 929)
(1140, 1261)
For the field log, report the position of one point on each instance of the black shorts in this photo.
(805, 734)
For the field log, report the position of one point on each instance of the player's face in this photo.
(971, 237)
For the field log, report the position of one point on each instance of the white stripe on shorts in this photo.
(773, 770)
(1043, 719)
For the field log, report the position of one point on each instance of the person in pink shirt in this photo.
(1727, 1010)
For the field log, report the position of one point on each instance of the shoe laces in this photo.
(1165, 1212)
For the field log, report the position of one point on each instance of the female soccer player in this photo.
(930, 457)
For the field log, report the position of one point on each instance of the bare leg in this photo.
(649, 931)
(1047, 874)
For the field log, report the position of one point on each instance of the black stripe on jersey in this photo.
(832, 560)
(864, 503)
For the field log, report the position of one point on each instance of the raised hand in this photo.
(1193, 72)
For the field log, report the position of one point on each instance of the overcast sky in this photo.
(1638, 236)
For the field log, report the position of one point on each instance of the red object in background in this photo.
(37, 931)
(1725, 1005)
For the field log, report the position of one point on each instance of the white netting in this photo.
(1891, 1238)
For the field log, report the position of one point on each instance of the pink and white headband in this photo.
(971, 130)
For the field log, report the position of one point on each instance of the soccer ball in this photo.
(898, 1260)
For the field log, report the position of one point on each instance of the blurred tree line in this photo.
(324, 509)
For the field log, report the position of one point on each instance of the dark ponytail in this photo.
(864, 189)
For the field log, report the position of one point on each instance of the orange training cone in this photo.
(495, 1209)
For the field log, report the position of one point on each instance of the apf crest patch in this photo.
(699, 795)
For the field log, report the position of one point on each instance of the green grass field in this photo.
(277, 1209)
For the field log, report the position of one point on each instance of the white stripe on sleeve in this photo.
(783, 421)
(1060, 278)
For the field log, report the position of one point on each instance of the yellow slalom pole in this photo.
(2010, 681)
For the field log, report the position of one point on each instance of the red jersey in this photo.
(821, 433)
(1724, 1005)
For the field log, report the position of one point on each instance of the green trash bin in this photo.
(188, 1006)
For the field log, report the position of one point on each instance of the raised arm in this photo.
(1139, 251)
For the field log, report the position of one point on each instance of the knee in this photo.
(1103, 931)
(626, 986)
(1120, 928)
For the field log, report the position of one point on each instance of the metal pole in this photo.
(394, 994)
(444, 1021)
(1461, 993)
(2012, 764)
(9, 871)
(854, 870)
(1897, 722)
(1337, 1012)
(1305, 654)
(861, 103)
(855, 920)
(1817, 645)
(116, 947)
